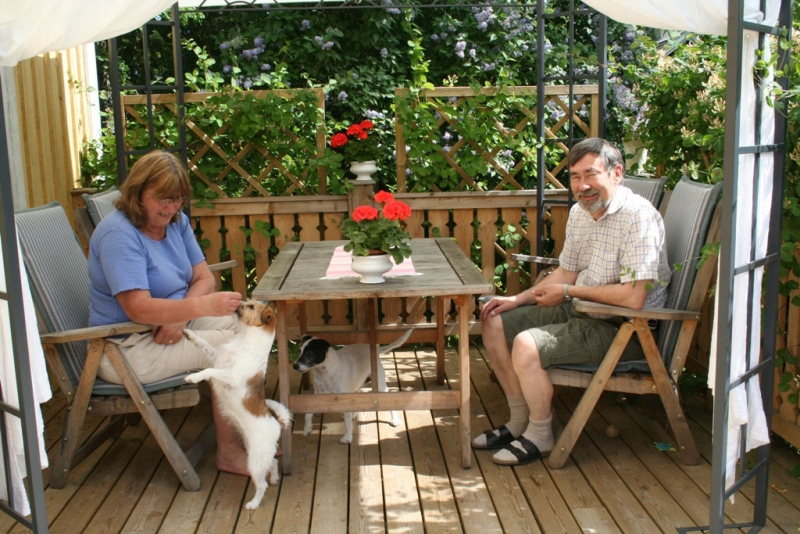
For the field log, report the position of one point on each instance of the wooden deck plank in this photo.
(366, 489)
(655, 499)
(157, 498)
(664, 468)
(439, 511)
(55, 500)
(421, 484)
(85, 502)
(401, 499)
(506, 484)
(472, 495)
(293, 512)
(329, 512)
(115, 509)
(741, 511)
(782, 513)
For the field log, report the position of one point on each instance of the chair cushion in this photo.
(650, 188)
(101, 204)
(686, 222)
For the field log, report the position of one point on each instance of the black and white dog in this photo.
(341, 371)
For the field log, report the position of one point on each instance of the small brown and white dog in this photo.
(341, 371)
(237, 377)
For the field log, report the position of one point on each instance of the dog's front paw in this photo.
(395, 420)
(194, 378)
(347, 438)
(252, 505)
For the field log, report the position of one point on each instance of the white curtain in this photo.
(32, 27)
(8, 378)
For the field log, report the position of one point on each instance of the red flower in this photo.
(396, 210)
(365, 213)
(362, 135)
(383, 196)
(367, 124)
(338, 140)
(355, 129)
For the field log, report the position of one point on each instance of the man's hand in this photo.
(549, 295)
(498, 305)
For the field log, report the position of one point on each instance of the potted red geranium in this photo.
(359, 145)
(378, 232)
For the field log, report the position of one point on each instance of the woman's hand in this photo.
(222, 303)
(169, 333)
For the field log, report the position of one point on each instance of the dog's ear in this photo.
(267, 315)
(305, 338)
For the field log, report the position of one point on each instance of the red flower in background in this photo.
(356, 143)
(338, 140)
(383, 196)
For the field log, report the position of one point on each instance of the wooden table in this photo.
(446, 272)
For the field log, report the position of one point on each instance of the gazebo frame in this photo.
(727, 273)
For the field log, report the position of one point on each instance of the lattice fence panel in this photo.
(455, 139)
(220, 159)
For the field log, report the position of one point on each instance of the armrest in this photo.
(221, 266)
(535, 259)
(662, 314)
(93, 332)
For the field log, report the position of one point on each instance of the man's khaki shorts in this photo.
(565, 336)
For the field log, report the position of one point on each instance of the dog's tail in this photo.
(281, 413)
(383, 349)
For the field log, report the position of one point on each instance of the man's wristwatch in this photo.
(566, 293)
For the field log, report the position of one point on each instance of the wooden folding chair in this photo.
(57, 269)
(690, 222)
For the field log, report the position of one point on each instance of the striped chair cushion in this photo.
(57, 270)
(101, 204)
(650, 188)
(686, 222)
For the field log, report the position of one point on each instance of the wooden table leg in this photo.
(372, 321)
(283, 381)
(440, 321)
(464, 380)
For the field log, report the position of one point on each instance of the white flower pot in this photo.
(372, 268)
(363, 170)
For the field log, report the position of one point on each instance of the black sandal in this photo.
(531, 454)
(495, 441)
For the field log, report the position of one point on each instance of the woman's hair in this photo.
(163, 174)
(610, 154)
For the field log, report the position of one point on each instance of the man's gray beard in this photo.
(595, 206)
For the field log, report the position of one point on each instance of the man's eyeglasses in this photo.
(169, 201)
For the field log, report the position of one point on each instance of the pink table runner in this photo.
(339, 266)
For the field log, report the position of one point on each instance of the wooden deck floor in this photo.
(409, 479)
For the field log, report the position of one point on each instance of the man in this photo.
(614, 253)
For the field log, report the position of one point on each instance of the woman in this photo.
(145, 266)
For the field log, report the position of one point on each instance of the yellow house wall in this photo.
(54, 120)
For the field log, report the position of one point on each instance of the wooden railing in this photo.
(253, 231)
